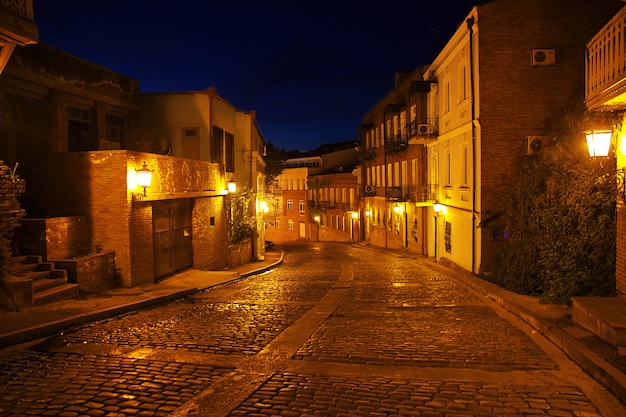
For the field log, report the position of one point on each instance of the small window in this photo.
(289, 204)
(290, 225)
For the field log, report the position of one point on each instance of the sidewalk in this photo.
(40, 321)
(593, 355)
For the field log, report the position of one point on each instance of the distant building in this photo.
(297, 211)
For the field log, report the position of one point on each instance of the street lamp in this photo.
(598, 141)
(232, 186)
(599, 144)
(144, 178)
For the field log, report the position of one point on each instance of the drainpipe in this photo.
(470, 27)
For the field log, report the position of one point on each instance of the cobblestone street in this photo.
(336, 330)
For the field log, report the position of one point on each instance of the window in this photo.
(463, 82)
(301, 208)
(448, 168)
(289, 204)
(229, 141)
(79, 130)
(277, 223)
(465, 166)
(290, 225)
(217, 145)
(115, 132)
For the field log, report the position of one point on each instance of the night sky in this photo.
(310, 70)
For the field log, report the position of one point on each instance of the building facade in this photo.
(73, 131)
(396, 193)
(500, 88)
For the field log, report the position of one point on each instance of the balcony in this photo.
(422, 193)
(397, 193)
(396, 144)
(605, 83)
(423, 132)
(17, 27)
(369, 153)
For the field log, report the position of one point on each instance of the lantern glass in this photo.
(144, 176)
(232, 186)
(598, 142)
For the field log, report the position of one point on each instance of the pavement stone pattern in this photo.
(59, 384)
(290, 394)
(458, 337)
(189, 325)
(337, 330)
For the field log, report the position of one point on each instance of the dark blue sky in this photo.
(310, 70)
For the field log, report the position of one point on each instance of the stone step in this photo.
(46, 283)
(603, 316)
(58, 293)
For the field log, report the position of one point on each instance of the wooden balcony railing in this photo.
(606, 65)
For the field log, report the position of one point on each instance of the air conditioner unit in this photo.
(542, 56)
(534, 144)
(425, 129)
(370, 190)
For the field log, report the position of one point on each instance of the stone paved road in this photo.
(337, 330)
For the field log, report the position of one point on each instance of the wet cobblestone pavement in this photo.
(337, 330)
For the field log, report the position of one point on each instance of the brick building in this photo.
(74, 131)
(395, 193)
(500, 87)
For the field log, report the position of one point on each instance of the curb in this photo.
(48, 329)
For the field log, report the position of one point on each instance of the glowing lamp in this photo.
(598, 142)
(232, 186)
(263, 206)
(144, 177)
(317, 219)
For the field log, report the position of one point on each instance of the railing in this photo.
(422, 193)
(419, 129)
(606, 62)
(369, 153)
(21, 7)
(396, 144)
(396, 193)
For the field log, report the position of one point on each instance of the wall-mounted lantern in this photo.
(144, 178)
(232, 186)
(598, 141)
(599, 144)
(439, 209)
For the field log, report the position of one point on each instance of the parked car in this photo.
(269, 244)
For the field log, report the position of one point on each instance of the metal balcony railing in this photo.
(428, 128)
(422, 193)
(606, 64)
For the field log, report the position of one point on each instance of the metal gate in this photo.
(171, 225)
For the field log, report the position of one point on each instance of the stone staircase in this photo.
(48, 284)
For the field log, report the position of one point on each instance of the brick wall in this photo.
(519, 100)
(620, 266)
(210, 247)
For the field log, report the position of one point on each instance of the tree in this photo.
(561, 223)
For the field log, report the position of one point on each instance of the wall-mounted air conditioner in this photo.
(425, 129)
(545, 56)
(534, 144)
(370, 190)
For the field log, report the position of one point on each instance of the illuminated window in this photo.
(277, 223)
(301, 208)
(290, 225)
(289, 204)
